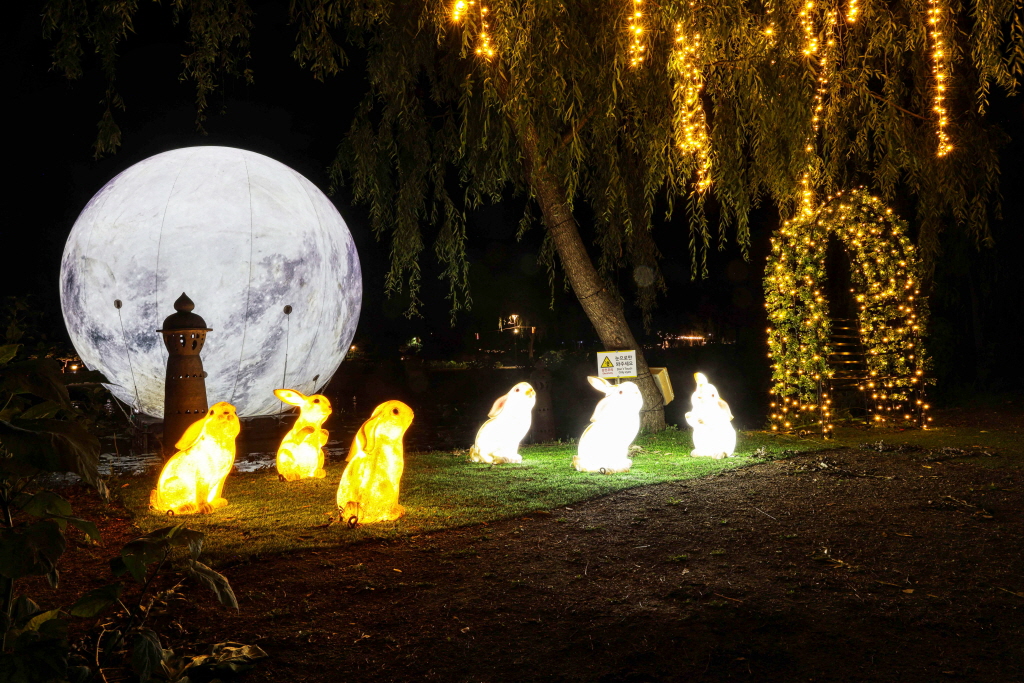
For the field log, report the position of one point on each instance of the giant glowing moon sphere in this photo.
(244, 236)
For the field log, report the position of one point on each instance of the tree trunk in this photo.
(600, 304)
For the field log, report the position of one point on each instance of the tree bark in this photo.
(600, 304)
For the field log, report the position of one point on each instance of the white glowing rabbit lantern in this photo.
(301, 455)
(498, 439)
(713, 435)
(604, 446)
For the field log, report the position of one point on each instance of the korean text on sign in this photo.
(616, 364)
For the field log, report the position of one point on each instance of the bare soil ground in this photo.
(844, 565)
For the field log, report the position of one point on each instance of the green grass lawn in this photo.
(439, 491)
(444, 490)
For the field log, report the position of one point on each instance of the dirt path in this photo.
(873, 567)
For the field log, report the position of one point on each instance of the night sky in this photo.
(287, 115)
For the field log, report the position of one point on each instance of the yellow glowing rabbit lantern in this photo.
(498, 439)
(193, 479)
(369, 486)
(301, 454)
(604, 446)
(713, 435)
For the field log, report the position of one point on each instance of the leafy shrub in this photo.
(41, 432)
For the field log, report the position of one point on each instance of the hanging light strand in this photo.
(941, 71)
(691, 124)
(825, 66)
(483, 43)
(459, 9)
(636, 32)
(852, 11)
(807, 24)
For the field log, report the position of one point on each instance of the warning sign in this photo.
(616, 364)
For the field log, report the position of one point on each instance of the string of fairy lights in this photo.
(692, 136)
(636, 35)
(807, 24)
(892, 315)
(852, 11)
(769, 29)
(637, 51)
(825, 62)
(940, 70)
(460, 9)
(483, 47)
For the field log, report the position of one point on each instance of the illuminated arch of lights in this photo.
(892, 315)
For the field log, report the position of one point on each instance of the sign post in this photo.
(616, 364)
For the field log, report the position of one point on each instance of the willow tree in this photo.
(619, 107)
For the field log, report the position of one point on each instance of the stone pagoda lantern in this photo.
(185, 388)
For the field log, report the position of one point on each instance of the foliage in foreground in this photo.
(41, 432)
(122, 637)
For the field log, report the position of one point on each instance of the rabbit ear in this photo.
(364, 439)
(600, 383)
(290, 396)
(725, 406)
(368, 432)
(498, 406)
(357, 445)
(194, 431)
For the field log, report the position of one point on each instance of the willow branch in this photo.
(896, 106)
(573, 132)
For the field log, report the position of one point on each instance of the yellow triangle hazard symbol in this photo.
(607, 362)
